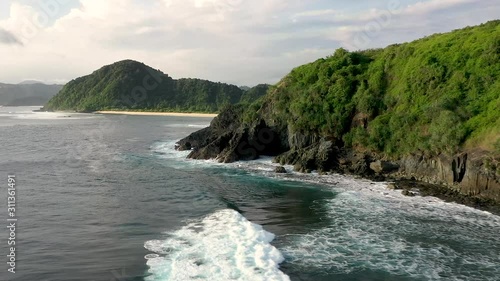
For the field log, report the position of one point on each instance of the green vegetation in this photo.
(130, 85)
(255, 93)
(437, 94)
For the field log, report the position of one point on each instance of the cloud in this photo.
(8, 38)
(426, 7)
(396, 23)
(235, 41)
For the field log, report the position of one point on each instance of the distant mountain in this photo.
(131, 85)
(27, 94)
(30, 82)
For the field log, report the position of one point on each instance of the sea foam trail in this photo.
(222, 246)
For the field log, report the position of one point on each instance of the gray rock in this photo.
(383, 167)
(392, 186)
(280, 170)
(408, 193)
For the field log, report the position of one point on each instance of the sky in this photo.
(243, 42)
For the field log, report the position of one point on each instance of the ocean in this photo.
(102, 198)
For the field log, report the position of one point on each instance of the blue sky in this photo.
(236, 41)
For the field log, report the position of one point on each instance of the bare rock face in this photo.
(465, 173)
(383, 166)
(321, 156)
(229, 140)
(209, 142)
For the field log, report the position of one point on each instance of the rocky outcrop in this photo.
(473, 174)
(209, 142)
(280, 170)
(320, 156)
(228, 139)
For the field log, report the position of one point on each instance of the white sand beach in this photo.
(178, 114)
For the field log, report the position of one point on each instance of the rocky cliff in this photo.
(474, 174)
(425, 111)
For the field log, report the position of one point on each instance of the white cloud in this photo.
(238, 41)
(425, 7)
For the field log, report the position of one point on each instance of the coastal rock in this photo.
(392, 186)
(408, 193)
(227, 140)
(464, 172)
(320, 156)
(280, 170)
(383, 166)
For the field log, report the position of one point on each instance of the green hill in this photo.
(130, 85)
(427, 110)
(437, 94)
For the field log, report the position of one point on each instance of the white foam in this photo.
(374, 228)
(222, 246)
(200, 125)
(167, 150)
(26, 112)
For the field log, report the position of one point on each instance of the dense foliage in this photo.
(255, 93)
(440, 93)
(130, 85)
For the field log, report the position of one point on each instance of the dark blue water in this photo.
(107, 198)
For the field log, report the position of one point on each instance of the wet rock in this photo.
(392, 186)
(280, 170)
(321, 156)
(408, 193)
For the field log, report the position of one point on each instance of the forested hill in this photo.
(434, 95)
(131, 85)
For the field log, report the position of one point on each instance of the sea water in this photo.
(108, 198)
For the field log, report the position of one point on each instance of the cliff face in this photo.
(471, 174)
(474, 174)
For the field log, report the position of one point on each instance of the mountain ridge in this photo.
(27, 94)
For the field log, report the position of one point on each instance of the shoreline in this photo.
(144, 113)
